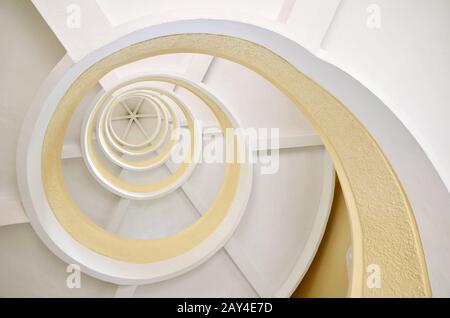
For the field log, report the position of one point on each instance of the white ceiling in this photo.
(412, 45)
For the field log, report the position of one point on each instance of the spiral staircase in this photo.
(222, 149)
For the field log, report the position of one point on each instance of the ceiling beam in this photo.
(71, 150)
(80, 26)
(310, 22)
(117, 215)
(12, 212)
(125, 291)
(285, 11)
(293, 141)
(232, 248)
(197, 68)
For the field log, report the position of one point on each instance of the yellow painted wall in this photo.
(327, 275)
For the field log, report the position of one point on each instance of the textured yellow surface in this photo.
(328, 275)
(382, 223)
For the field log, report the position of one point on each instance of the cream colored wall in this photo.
(29, 269)
(328, 275)
(28, 52)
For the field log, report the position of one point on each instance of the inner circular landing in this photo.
(134, 121)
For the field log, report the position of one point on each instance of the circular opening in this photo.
(134, 121)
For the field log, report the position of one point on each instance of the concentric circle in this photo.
(128, 189)
(121, 125)
(155, 145)
(167, 116)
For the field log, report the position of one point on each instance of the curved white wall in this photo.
(405, 63)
